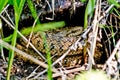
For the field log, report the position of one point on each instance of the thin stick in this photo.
(114, 52)
(4, 9)
(94, 35)
(69, 71)
(63, 56)
(23, 54)
(33, 28)
(24, 38)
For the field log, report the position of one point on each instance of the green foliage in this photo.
(43, 27)
(11, 2)
(32, 9)
(38, 27)
(115, 2)
(83, 1)
(103, 26)
(49, 61)
(92, 75)
(2, 4)
(8, 39)
(89, 11)
(18, 7)
(117, 11)
(90, 7)
(112, 32)
(47, 49)
(113, 35)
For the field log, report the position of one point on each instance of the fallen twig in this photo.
(27, 56)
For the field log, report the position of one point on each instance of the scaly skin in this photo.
(59, 42)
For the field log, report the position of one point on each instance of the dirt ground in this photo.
(70, 46)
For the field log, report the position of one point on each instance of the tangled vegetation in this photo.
(51, 28)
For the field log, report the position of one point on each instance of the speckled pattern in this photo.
(59, 42)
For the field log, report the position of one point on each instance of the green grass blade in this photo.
(43, 27)
(89, 11)
(32, 9)
(83, 1)
(117, 12)
(11, 2)
(18, 10)
(2, 4)
(8, 39)
(49, 61)
(115, 2)
(113, 36)
(39, 27)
